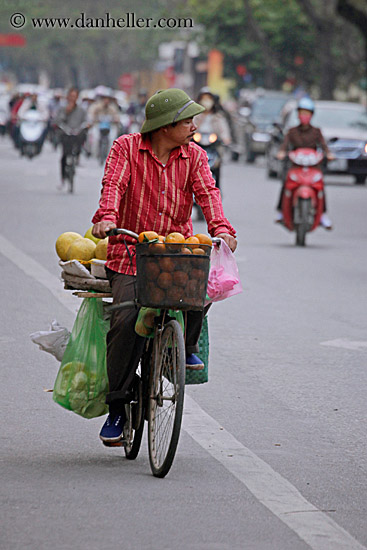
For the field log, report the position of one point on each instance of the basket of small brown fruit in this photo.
(172, 272)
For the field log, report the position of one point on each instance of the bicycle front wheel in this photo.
(166, 398)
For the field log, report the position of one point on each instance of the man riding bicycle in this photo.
(149, 182)
(73, 118)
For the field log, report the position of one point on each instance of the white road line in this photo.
(35, 270)
(317, 529)
(346, 344)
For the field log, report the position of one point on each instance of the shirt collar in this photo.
(146, 145)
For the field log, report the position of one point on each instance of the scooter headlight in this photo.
(213, 138)
(317, 177)
(293, 177)
(197, 137)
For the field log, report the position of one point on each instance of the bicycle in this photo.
(159, 386)
(72, 143)
(104, 127)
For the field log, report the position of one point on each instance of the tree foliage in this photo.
(303, 40)
(83, 56)
(312, 42)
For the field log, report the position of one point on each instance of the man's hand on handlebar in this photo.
(228, 239)
(100, 228)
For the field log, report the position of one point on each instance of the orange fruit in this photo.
(183, 264)
(180, 278)
(192, 242)
(204, 239)
(198, 274)
(152, 270)
(158, 248)
(164, 280)
(146, 236)
(185, 250)
(156, 294)
(166, 264)
(199, 251)
(175, 293)
(175, 238)
(192, 287)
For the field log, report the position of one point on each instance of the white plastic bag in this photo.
(224, 279)
(53, 341)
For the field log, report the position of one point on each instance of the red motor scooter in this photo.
(303, 199)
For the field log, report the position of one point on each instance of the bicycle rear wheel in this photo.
(134, 427)
(166, 398)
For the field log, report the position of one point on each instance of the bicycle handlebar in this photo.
(116, 231)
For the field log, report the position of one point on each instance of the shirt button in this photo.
(163, 170)
(160, 213)
(162, 192)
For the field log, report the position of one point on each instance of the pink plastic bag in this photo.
(224, 280)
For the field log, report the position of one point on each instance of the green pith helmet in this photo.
(168, 106)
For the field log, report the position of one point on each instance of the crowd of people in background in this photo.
(102, 106)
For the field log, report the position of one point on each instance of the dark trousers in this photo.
(125, 346)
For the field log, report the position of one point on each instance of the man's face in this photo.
(73, 96)
(182, 133)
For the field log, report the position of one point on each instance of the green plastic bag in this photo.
(82, 384)
(201, 376)
(144, 325)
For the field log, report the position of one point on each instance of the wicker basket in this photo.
(171, 278)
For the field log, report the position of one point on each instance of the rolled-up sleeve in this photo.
(115, 181)
(208, 197)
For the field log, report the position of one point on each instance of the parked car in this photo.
(265, 110)
(344, 127)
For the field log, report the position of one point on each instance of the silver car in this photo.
(344, 127)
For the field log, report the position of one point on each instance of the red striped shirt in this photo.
(141, 194)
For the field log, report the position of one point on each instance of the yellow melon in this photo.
(88, 235)
(81, 249)
(101, 249)
(63, 243)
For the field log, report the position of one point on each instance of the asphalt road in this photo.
(273, 451)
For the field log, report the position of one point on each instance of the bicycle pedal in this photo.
(120, 443)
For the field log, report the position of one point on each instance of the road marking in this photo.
(318, 530)
(35, 270)
(346, 344)
(277, 494)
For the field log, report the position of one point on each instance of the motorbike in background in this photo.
(303, 199)
(32, 132)
(209, 141)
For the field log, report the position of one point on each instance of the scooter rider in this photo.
(32, 103)
(213, 116)
(304, 135)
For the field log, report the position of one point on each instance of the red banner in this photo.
(126, 82)
(16, 40)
